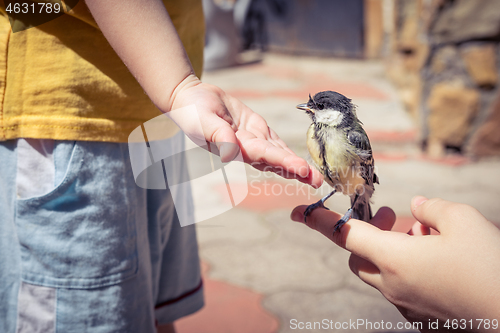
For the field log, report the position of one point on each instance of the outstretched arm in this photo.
(143, 36)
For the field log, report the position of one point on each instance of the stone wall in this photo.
(444, 60)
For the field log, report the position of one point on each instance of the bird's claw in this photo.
(343, 221)
(312, 207)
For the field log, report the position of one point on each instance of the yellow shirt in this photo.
(62, 80)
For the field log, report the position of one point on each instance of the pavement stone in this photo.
(233, 227)
(277, 264)
(334, 308)
(228, 309)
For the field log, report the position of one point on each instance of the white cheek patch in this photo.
(329, 117)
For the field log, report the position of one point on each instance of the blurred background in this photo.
(424, 76)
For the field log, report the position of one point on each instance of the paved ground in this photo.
(262, 271)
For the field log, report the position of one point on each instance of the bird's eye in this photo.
(320, 106)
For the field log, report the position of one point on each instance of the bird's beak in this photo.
(304, 107)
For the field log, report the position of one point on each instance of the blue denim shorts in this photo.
(95, 253)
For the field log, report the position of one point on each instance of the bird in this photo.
(340, 149)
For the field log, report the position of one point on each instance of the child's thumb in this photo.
(225, 140)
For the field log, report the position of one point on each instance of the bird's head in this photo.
(330, 108)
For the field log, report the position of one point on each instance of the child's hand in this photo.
(226, 119)
(454, 275)
(143, 36)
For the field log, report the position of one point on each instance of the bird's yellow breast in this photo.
(339, 163)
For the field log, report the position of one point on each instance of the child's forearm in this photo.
(143, 36)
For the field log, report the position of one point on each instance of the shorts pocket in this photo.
(81, 234)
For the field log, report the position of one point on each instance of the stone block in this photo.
(408, 13)
(480, 61)
(452, 109)
(444, 58)
(414, 61)
(463, 20)
(486, 140)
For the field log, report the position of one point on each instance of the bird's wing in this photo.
(359, 139)
(357, 136)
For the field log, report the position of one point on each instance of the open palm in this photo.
(227, 120)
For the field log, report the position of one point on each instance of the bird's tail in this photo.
(362, 210)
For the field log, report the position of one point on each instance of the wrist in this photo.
(173, 102)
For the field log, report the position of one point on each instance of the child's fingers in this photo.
(315, 178)
(262, 151)
(224, 137)
(278, 140)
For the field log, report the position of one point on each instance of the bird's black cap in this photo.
(330, 100)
